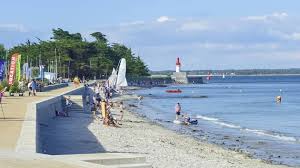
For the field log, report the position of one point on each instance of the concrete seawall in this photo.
(37, 117)
(52, 87)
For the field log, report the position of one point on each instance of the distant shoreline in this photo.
(220, 75)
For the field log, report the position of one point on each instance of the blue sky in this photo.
(204, 34)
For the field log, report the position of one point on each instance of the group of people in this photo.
(186, 118)
(99, 100)
(32, 86)
(66, 108)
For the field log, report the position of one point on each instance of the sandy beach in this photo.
(166, 148)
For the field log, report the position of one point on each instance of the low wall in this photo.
(52, 87)
(37, 117)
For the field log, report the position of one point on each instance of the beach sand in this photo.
(165, 148)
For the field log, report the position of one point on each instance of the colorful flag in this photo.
(2, 69)
(18, 68)
(12, 69)
(25, 71)
(41, 72)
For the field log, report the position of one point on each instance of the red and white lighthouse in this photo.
(178, 65)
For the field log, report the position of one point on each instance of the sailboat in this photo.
(121, 77)
(223, 76)
(112, 79)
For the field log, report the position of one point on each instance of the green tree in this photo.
(2, 51)
(82, 57)
(59, 34)
(99, 37)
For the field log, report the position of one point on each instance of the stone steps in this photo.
(139, 165)
(110, 160)
(119, 160)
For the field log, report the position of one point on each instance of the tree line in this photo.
(75, 56)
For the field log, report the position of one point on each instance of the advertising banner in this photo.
(2, 69)
(12, 69)
(18, 68)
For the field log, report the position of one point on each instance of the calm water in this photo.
(239, 113)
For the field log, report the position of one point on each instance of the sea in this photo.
(239, 113)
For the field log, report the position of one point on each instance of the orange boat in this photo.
(174, 91)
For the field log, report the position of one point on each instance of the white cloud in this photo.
(163, 19)
(13, 27)
(134, 23)
(270, 17)
(194, 26)
(294, 36)
(286, 36)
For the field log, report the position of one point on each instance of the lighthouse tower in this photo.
(179, 77)
(178, 65)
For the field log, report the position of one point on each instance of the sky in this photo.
(214, 34)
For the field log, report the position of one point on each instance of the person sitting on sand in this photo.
(177, 110)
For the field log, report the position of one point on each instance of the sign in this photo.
(2, 69)
(12, 69)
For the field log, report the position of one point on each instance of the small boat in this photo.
(174, 91)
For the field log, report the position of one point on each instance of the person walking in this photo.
(34, 86)
(29, 86)
(177, 110)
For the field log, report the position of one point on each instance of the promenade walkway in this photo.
(15, 108)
